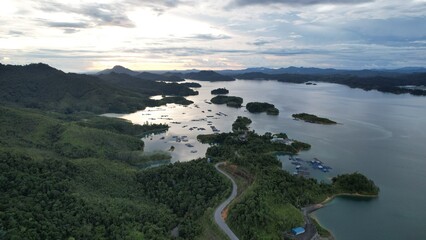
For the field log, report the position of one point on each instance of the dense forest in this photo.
(230, 101)
(258, 107)
(241, 124)
(218, 91)
(65, 177)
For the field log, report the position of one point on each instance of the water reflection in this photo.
(380, 135)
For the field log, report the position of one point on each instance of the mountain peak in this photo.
(118, 69)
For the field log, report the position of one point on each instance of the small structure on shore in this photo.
(297, 231)
(285, 141)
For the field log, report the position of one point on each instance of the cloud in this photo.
(67, 24)
(295, 2)
(99, 14)
(210, 37)
(260, 42)
(70, 30)
(15, 33)
(185, 51)
(159, 6)
(291, 52)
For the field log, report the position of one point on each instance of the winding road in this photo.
(218, 212)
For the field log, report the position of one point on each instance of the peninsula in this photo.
(272, 199)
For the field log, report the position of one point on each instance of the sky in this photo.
(86, 35)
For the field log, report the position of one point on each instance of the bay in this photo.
(380, 135)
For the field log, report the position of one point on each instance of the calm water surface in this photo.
(380, 135)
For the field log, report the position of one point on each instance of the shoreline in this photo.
(314, 207)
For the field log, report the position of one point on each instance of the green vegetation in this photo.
(43, 87)
(123, 126)
(71, 177)
(355, 183)
(241, 124)
(313, 119)
(148, 87)
(176, 100)
(186, 188)
(67, 173)
(321, 231)
(256, 151)
(230, 101)
(191, 84)
(159, 77)
(219, 91)
(270, 205)
(258, 107)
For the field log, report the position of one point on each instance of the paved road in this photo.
(218, 212)
(310, 229)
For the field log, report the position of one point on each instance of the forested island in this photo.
(272, 198)
(313, 119)
(258, 107)
(219, 91)
(230, 101)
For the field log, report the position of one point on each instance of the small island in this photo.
(218, 91)
(258, 107)
(230, 101)
(313, 119)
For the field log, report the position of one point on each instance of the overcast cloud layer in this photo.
(90, 35)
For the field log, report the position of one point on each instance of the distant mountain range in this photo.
(171, 76)
(326, 71)
(44, 87)
(142, 75)
(227, 75)
(384, 80)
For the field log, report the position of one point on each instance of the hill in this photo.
(208, 76)
(78, 178)
(159, 77)
(118, 69)
(148, 87)
(43, 87)
(393, 84)
(327, 71)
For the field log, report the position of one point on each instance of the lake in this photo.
(380, 135)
